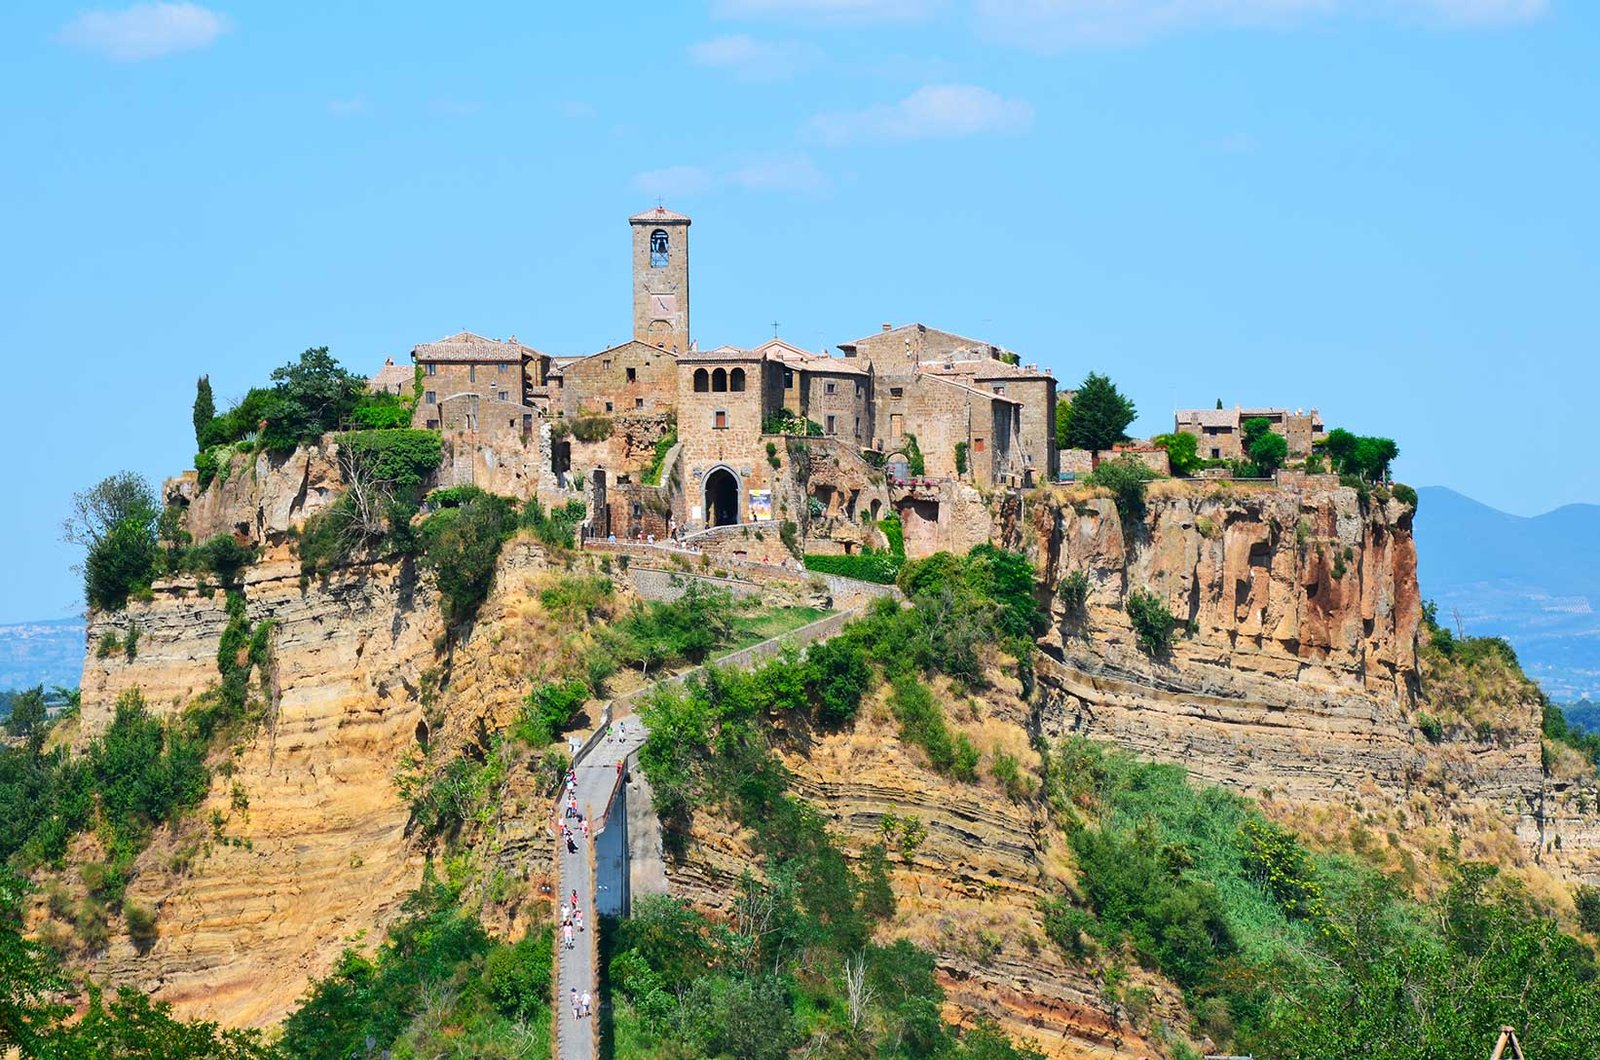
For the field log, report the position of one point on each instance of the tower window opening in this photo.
(719, 381)
(702, 381)
(736, 379)
(658, 249)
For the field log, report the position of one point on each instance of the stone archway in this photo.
(722, 497)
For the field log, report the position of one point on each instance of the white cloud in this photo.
(829, 10)
(753, 60)
(793, 174)
(931, 112)
(1046, 25)
(144, 31)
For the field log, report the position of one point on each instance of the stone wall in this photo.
(633, 378)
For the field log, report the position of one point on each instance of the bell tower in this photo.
(661, 279)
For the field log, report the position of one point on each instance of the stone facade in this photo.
(661, 279)
(633, 377)
(475, 384)
(1219, 433)
(723, 398)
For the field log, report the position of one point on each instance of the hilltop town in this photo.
(663, 439)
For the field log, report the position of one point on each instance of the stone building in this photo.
(631, 378)
(474, 383)
(724, 396)
(397, 379)
(661, 279)
(832, 392)
(1219, 433)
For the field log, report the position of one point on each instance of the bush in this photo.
(660, 633)
(1429, 726)
(462, 545)
(1405, 495)
(916, 465)
(558, 528)
(1587, 899)
(651, 476)
(1182, 452)
(894, 533)
(922, 723)
(122, 563)
(868, 566)
(379, 412)
(141, 922)
(398, 460)
(961, 458)
(1125, 477)
(1152, 622)
(548, 710)
(592, 428)
(1073, 591)
(837, 676)
(517, 978)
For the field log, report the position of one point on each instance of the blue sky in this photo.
(1383, 208)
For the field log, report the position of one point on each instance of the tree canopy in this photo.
(1099, 415)
(1364, 456)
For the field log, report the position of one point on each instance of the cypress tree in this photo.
(205, 409)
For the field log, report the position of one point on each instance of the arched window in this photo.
(719, 380)
(658, 249)
(702, 381)
(736, 379)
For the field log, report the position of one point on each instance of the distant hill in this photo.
(1534, 581)
(48, 653)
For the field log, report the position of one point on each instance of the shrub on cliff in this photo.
(115, 521)
(1126, 478)
(557, 527)
(462, 544)
(1152, 622)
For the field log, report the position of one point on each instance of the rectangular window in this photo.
(830, 429)
(608, 406)
(858, 391)
(788, 379)
(606, 363)
(897, 425)
(638, 403)
(897, 391)
(719, 420)
(999, 389)
(430, 398)
(527, 423)
(505, 367)
(433, 425)
(433, 369)
(858, 426)
(977, 445)
(472, 373)
(829, 388)
(633, 375)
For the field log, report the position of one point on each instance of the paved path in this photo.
(598, 779)
(598, 782)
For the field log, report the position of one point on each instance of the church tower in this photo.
(661, 279)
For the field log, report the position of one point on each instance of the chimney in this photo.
(888, 326)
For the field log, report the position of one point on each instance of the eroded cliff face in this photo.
(1297, 673)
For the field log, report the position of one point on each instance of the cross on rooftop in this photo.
(774, 329)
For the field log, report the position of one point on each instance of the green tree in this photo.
(205, 409)
(27, 713)
(462, 545)
(115, 520)
(29, 975)
(1100, 415)
(1183, 452)
(1268, 452)
(1063, 422)
(310, 397)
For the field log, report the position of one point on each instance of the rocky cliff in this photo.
(1295, 676)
